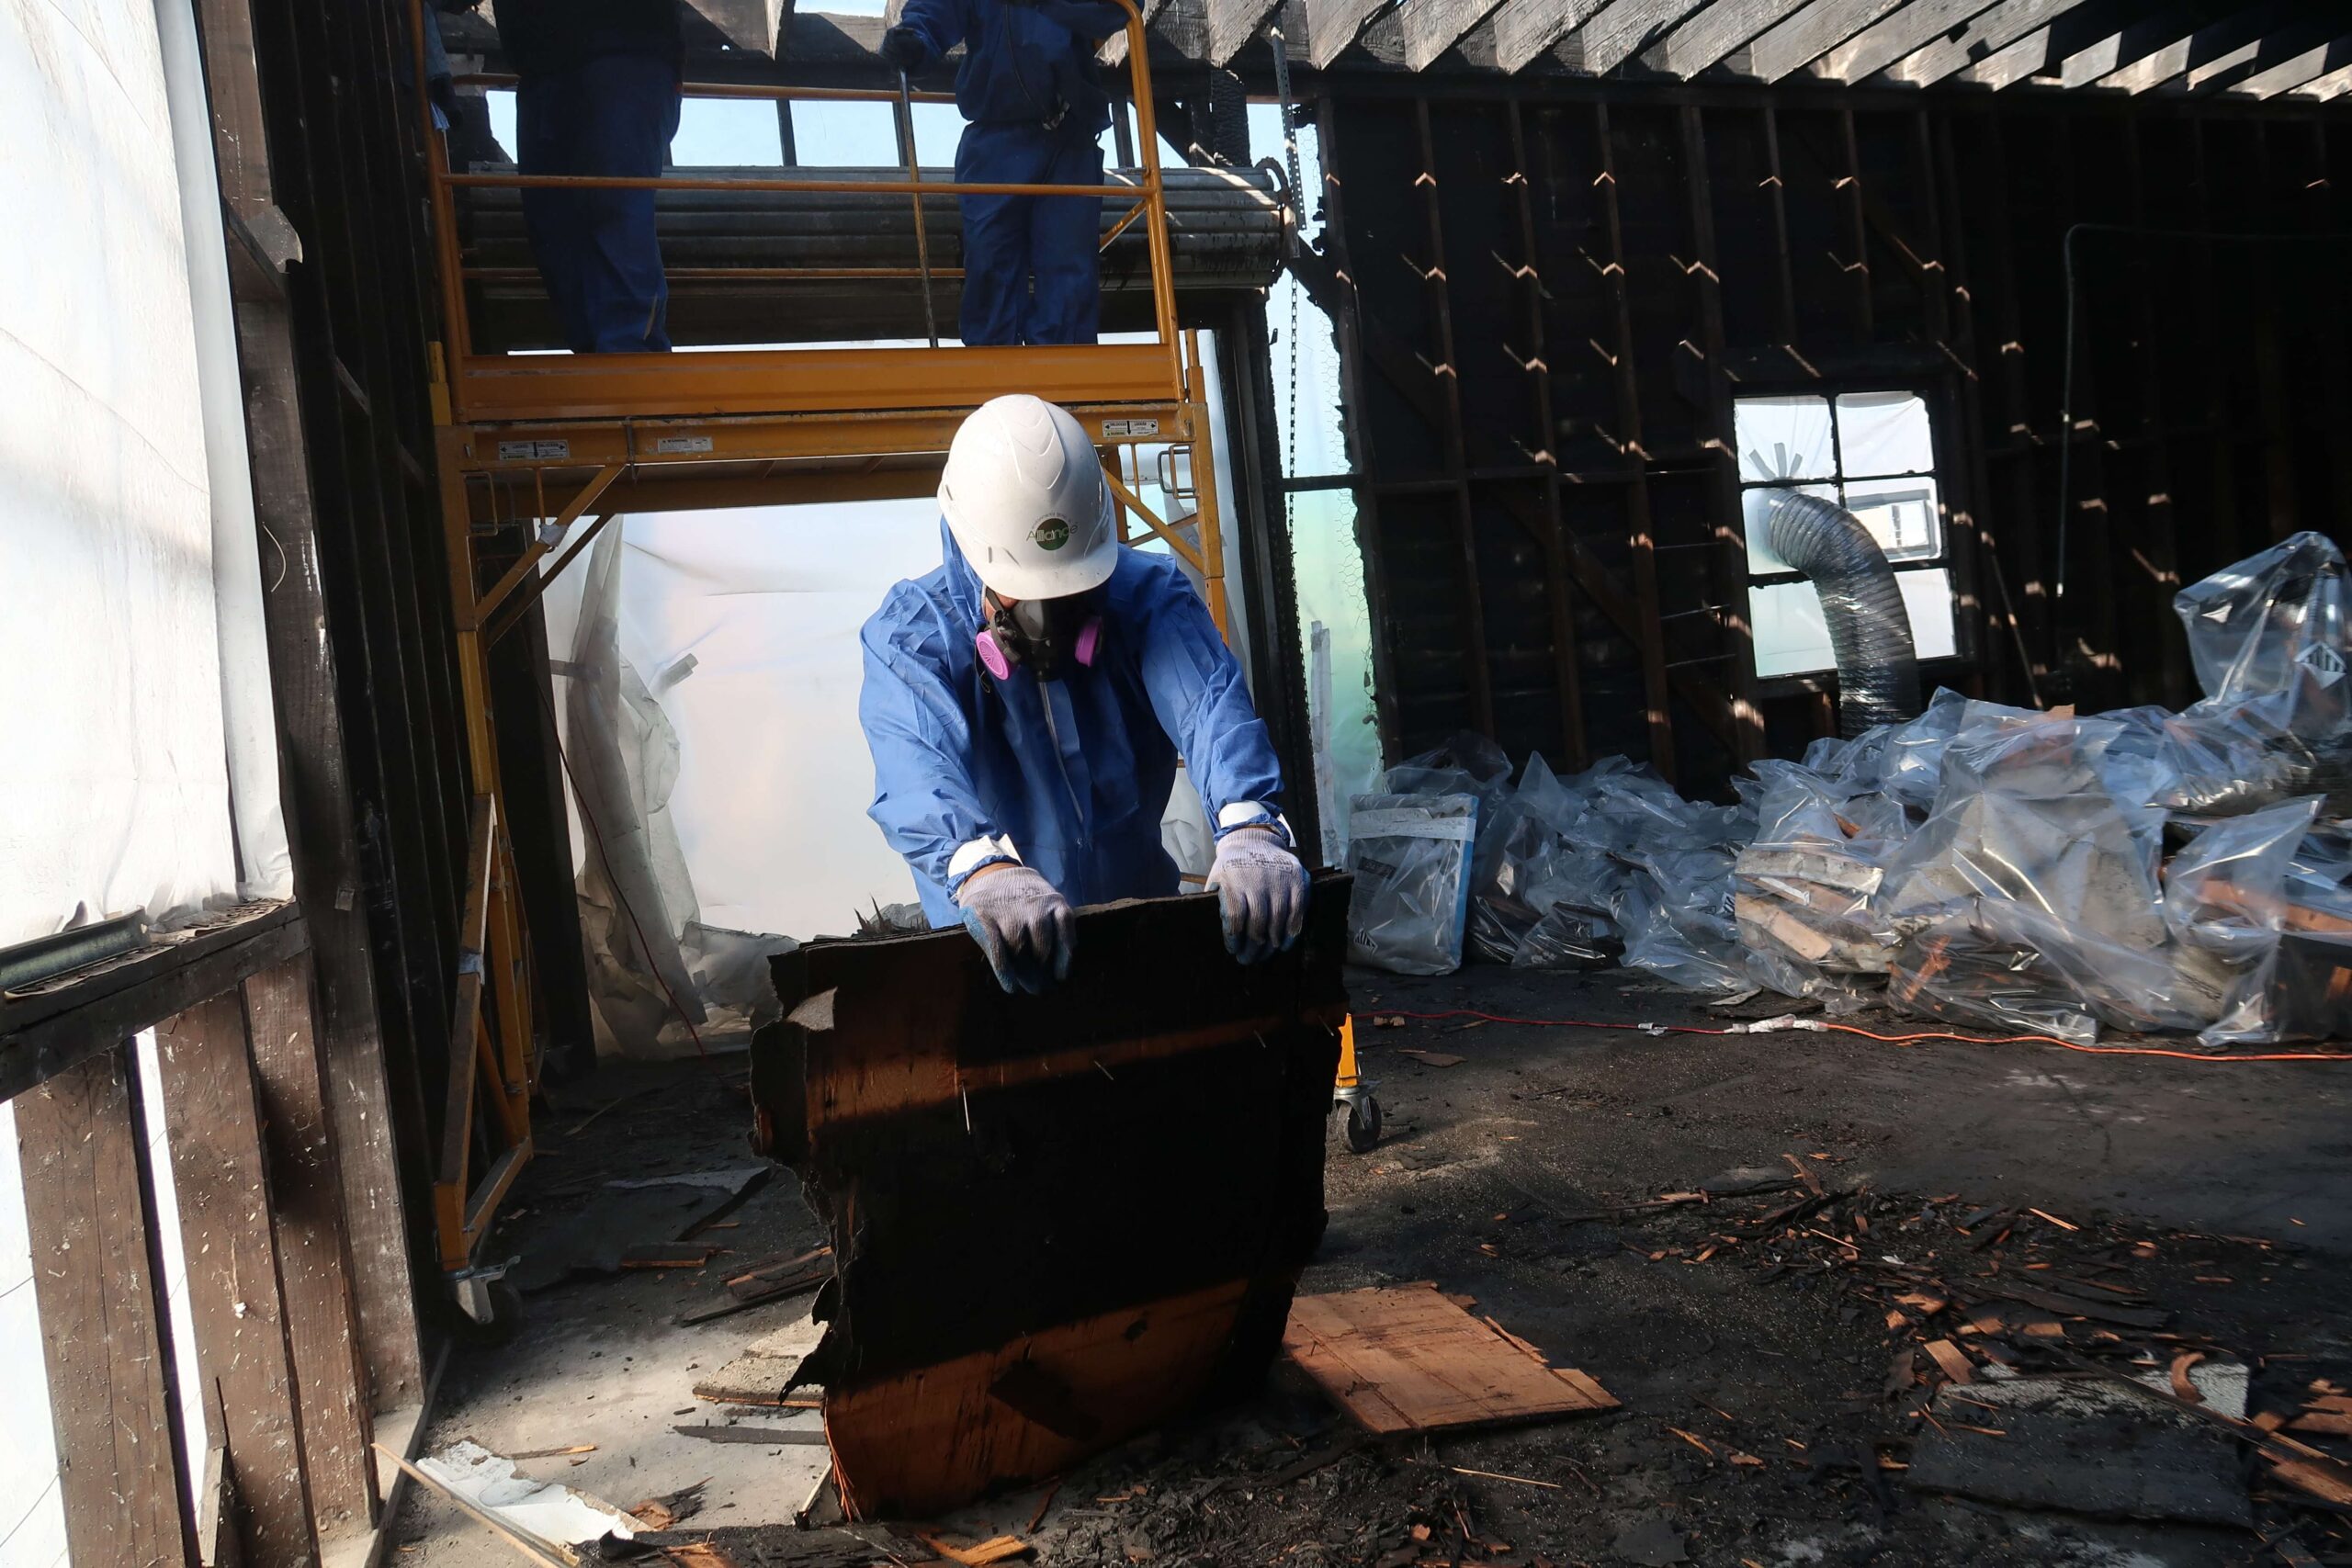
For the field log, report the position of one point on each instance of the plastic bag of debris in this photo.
(1467, 764)
(1962, 972)
(1913, 761)
(1578, 894)
(2025, 812)
(1805, 891)
(1520, 838)
(2208, 763)
(1410, 857)
(2286, 916)
(1676, 920)
(2271, 637)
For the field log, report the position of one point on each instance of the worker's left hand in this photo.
(903, 50)
(1261, 888)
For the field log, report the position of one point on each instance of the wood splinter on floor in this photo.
(1407, 1359)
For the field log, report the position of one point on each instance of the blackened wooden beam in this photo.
(1728, 561)
(1559, 603)
(2156, 552)
(1858, 230)
(1345, 303)
(317, 779)
(1437, 291)
(1641, 539)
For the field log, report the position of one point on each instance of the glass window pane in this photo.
(1783, 438)
(1903, 516)
(1884, 432)
(1755, 506)
(1926, 598)
(1791, 637)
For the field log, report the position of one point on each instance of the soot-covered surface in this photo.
(2210, 1212)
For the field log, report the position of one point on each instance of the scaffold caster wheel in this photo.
(489, 1311)
(1363, 1124)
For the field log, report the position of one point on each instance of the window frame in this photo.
(1952, 467)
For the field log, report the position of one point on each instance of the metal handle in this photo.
(914, 177)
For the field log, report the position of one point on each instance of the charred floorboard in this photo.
(1057, 1219)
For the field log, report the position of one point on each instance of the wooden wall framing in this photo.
(244, 1099)
(1548, 296)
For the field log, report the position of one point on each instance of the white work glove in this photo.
(1262, 890)
(1024, 926)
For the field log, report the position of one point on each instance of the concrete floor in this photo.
(1566, 1120)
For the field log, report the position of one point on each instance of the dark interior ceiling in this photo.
(2243, 50)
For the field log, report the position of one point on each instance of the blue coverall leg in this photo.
(996, 231)
(1009, 241)
(1065, 247)
(597, 250)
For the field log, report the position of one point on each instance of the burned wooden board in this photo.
(1408, 1359)
(1057, 1219)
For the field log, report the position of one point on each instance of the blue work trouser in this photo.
(1030, 263)
(596, 249)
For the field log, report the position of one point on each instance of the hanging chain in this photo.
(1298, 237)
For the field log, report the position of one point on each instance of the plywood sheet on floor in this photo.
(1407, 1359)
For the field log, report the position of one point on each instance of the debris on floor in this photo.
(1793, 1338)
(1993, 867)
(770, 1280)
(638, 1221)
(1121, 1177)
(1410, 1361)
(539, 1510)
(767, 1367)
(2081, 1446)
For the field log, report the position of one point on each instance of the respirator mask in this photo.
(1044, 636)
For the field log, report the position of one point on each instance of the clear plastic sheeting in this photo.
(1989, 866)
(2271, 637)
(2026, 813)
(1411, 856)
(2295, 985)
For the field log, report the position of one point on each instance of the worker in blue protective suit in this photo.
(1036, 110)
(1027, 700)
(598, 95)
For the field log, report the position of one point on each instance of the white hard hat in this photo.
(1024, 496)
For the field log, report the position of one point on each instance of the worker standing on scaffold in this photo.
(1037, 110)
(599, 95)
(1025, 704)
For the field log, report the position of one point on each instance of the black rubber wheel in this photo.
(1363, 1124)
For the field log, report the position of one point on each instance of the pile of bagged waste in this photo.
(1992, 867)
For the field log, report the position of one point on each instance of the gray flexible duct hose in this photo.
(1870, 631)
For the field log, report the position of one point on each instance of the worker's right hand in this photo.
(903, 49)
(1024, 926)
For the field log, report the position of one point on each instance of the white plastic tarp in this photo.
(115, 795)
(727, 721)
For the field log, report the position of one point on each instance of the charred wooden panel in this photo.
(1057, 1219)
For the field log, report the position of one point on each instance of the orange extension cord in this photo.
(1816, 1025)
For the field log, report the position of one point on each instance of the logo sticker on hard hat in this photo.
(1051, 535)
